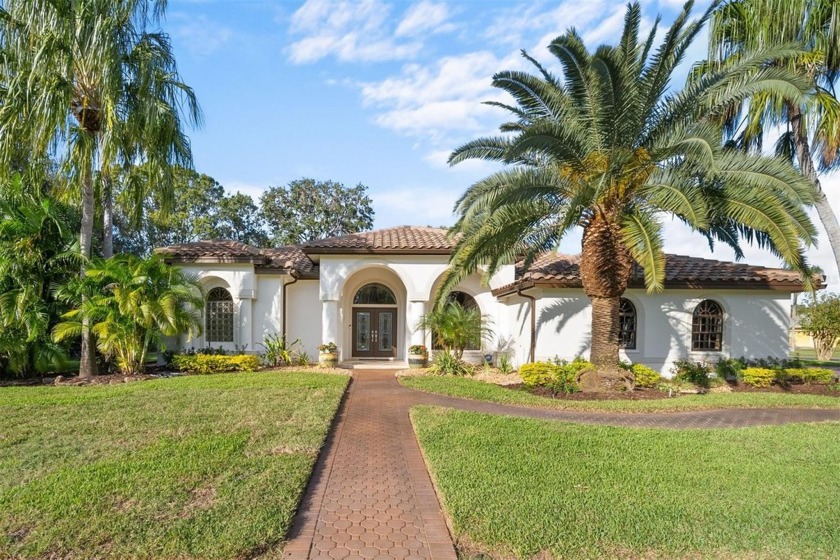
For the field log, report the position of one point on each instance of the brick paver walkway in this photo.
(371, 497)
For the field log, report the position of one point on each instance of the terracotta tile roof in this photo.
(227, 251)
(289, 258)
(400, 239)
(213, 250)
(561, 270)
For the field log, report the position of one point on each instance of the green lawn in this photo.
(522, 487)
(191, 467)
(471, 389)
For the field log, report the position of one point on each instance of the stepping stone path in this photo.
(370, 495)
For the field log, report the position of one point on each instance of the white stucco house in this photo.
(367, 292)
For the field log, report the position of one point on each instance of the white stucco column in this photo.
(415, 312)
(246, 320)
(330, 323)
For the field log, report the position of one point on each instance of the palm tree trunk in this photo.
(604, 352)
(605, 269)
(87, 363)
(107, 217)
(806, 166)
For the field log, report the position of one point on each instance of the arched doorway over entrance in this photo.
(375, 314)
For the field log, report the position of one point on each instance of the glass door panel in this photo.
(385, 333)
(363, 334)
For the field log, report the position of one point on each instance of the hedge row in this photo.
(203, 363)
(764, 377)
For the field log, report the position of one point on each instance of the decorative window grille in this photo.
(219, 316)
(707, 326)
(627, 324)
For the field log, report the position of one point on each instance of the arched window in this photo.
(375, 294)
(707, 326)
(218, 316)
(466, 301)
(627, 324)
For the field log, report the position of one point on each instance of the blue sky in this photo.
(376, 92)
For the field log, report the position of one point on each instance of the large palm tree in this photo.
(809, 127)
(89, 82)
(610, 149)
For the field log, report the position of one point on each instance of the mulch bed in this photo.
(642, 394)
(798, 389)
(637, 395)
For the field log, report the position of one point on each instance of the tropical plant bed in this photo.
(467, 388)
(489, 375)
(209, 466)
(641, 393)
(524, 488)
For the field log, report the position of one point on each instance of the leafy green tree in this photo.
(820, 318)
(610, 149)
(307, 209)
(194, 216)
(810, 126)
(37, 252)
(238, 218)
(455, 327)
(131, 304)
(92, 83)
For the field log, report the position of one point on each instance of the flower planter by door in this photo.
(418, 361)
(327, 359)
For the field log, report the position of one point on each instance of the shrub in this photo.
(203, 364)
(645, 376)
(278, 352)
(729, 368)
(505, 365)
(759, 377)
(694, 372)
(538, 374)
(447, 364)
(808, 375)
(821, 319)
(560, 377)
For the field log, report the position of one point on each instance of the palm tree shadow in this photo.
(561, 312)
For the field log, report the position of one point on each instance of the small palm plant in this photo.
(131, 304)
(455, 327)
(278, 352)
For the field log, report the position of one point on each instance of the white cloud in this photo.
(199, 34)
(350, 31)
(254, 191)
(415, 205)
(424, 16)
(441, 101)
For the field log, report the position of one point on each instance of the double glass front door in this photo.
(374, 332)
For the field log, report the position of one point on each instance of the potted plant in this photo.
(418, 356)
(328, 355)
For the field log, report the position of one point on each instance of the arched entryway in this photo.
(375, 316)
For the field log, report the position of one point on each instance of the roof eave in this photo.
(214, 259)
(782, 286)
(372, 251)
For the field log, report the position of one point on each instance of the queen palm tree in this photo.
(131, 303)
(88, 82)
(609, 149)
(810, 126)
